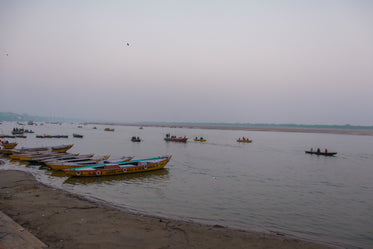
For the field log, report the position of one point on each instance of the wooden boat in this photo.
(17, 131)
(60, 149)
(108, 129)
(79, 158)
(134, 166)
(320, 153)
(89, 162)
(51, 156)
(201, 139)
(136, 139)
(77, 135)
(244, 140)
(13, 136)
(26, 156)
(8, 145)
(60, 136)
(169, 138)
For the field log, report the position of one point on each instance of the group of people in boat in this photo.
(319, 151)
(201, 138)
(135, 139)
(4, 142)
(244, 139)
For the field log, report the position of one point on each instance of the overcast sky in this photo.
(304, 62)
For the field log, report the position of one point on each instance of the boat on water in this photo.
(244, 140)
(134, 166)
(135, 139)
(109, 129)
(77, 135)
(201, 139)
(59, 148)
(7, 146)
(321, 153)
(78, 158)
(13, 136)
(26, 156)
(51, 156)
(170, 138)
(90, 162)
(17, 131)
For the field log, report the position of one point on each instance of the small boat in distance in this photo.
(109, 129)
(244, 140)
(320, 153)
(134, 166)
(77, 135)
(169, 138)
(201, 139)
(136, 139)
(6, 145)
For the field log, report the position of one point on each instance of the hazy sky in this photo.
(305, 62)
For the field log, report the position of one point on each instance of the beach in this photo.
(66, 220)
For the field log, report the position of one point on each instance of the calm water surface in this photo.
(268, 185)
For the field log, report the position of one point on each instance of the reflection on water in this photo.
(151, 176)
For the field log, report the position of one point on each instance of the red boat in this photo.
(169, 138)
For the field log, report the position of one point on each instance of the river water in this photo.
(268, 185)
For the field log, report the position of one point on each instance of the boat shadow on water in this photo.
(149, 176)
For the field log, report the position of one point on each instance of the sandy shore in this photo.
(366, 132)
(65, 220)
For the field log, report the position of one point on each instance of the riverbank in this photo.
(66, 220)
(365, 132)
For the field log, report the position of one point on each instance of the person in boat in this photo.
(311, 149)
(326, 150)
(201, 138)
(196, 138)
(318, 150)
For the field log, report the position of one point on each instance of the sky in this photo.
(289, 61)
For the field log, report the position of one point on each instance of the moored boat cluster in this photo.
(57, 158)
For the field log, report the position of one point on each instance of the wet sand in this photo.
(366, 132)
(67, 220)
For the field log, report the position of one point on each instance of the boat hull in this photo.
(9, 146)
(244, 141)
(111, 169)
(321, 153)
(200, 140)
(179, 140)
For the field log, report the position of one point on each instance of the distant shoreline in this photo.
(362, 132)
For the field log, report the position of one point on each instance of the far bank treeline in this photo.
(10, 116)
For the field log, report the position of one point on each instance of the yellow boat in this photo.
(9, 145)
(200, 140)
(61, 148)
(134, 166)
(244, 141)
(25, 157)
(109, 129)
